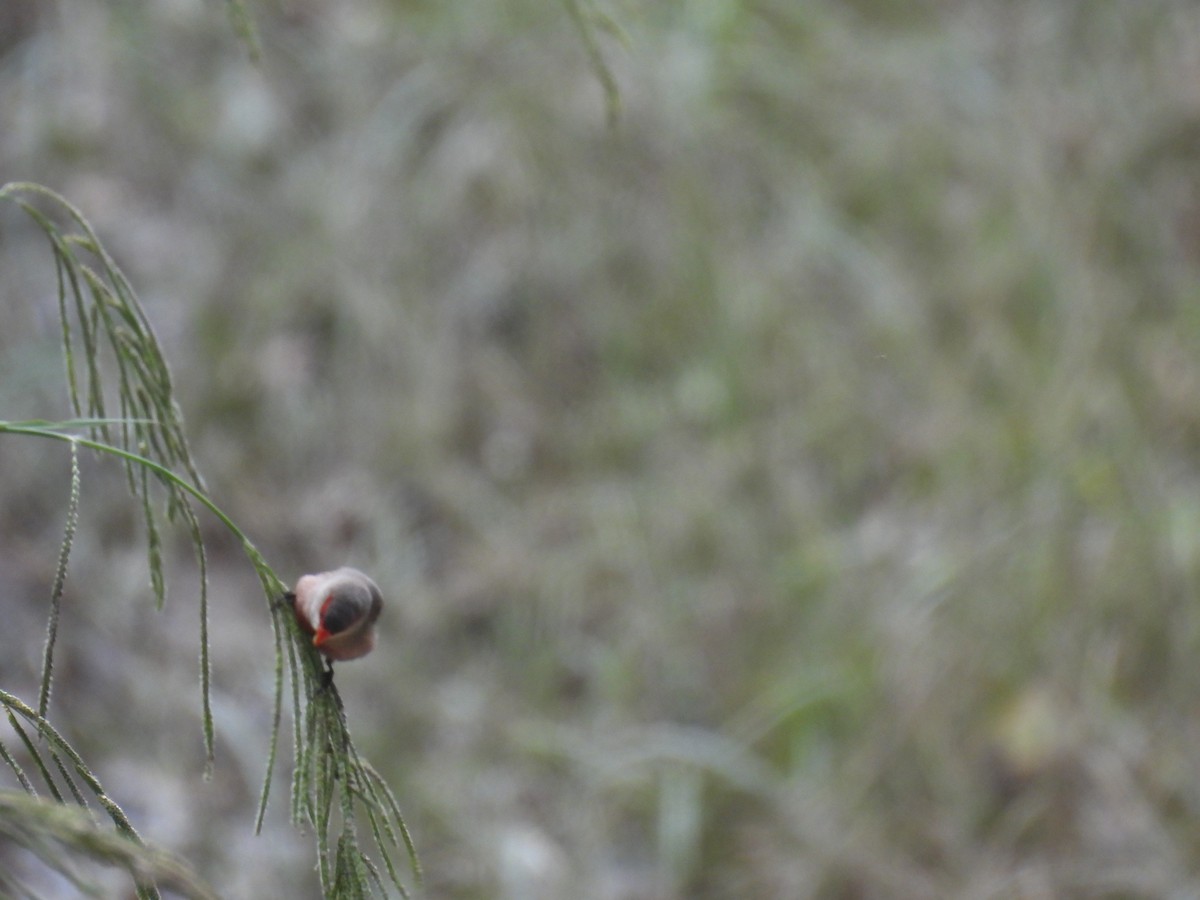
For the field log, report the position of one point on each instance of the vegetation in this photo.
(103, 326)
(787, 491)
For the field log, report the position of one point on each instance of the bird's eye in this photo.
(339, 615)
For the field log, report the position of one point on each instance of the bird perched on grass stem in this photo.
(339, 610)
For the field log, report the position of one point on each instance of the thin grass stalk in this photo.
(608, 82)
(15, 766)
(154, 558)
(243, 26)
(36, 756)
(68, 343)
(60, 578)
(205, 663)
(276, 718)
(65, 775)
(381, 797)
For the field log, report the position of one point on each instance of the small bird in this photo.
(339, 610)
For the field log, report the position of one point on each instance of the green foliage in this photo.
(329, 776)
(243, 24)
(59, 832)
(588, 19)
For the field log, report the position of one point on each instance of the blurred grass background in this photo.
(789, 492)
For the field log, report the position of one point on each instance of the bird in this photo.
(339, 609)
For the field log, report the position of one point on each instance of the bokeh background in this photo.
(790, 491)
